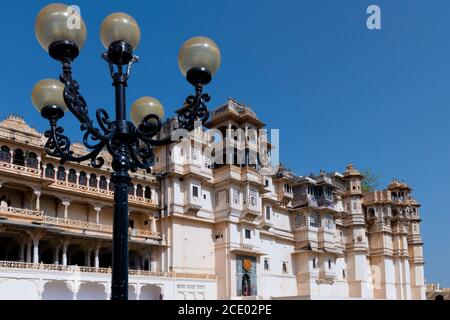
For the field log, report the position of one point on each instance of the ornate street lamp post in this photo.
(130, 143)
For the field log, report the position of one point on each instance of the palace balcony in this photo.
(325, 240)
(284, 196)
(266, 223)
(12, 169)
(194, 165)
(377, 197)
(31, 171)
(72, 282)
(97, 192)
(327, 275)
(192, 209)
(250, 212)
(325, 201)
(41, 267)
(234, 172)
(76, 226)
(246, 249)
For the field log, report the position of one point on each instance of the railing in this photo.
(15, 168)
(14, 265)
(18, 168)
(249, 247)
(20, 211)
(327, 274)
(97, 190)
(77, 224)
(377, 196)
(144, 233)
(70, 223)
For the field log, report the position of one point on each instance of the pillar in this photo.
(97, 214)
(74, 286)
(66, 204)
(137, 291)
(96, 259)
(153, 224)
(152, 261)
(56, 255)
(29, 251)
(88, 257)
(64, 251)
(107, 286)
(37, 193)
(40, 287)
(36, 250)
(35, 236)
(22, 250)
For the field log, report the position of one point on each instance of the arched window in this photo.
(266, 264)
(139, 191)
(5, 154)
(148, 193)
(103, 184)
(50, 171)
(131, 190)
(93, 181)
(111, 186)
(234, 134)
(19, 157)
(72, 177)
(82, 179)
(61, 174)
(284, 267)
(31, 160)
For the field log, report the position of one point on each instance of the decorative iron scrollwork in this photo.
(140, 143)
(194, 109)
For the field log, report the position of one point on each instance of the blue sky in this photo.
(338, 92)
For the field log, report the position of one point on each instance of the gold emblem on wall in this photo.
(247, 265)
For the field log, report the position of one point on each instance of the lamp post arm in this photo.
(78, 107)
(194, 109)
(58, 145)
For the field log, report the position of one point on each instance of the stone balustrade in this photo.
(99, 191)
(26, 266)
(37, 173)
(35, 215)
(18, 169)
(22, 212)
(78, 224)
(247, 247)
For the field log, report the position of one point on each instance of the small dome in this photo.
(351, 171)
(395, 184)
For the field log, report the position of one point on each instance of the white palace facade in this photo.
(199, 229)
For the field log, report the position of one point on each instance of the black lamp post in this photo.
(129, 143)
